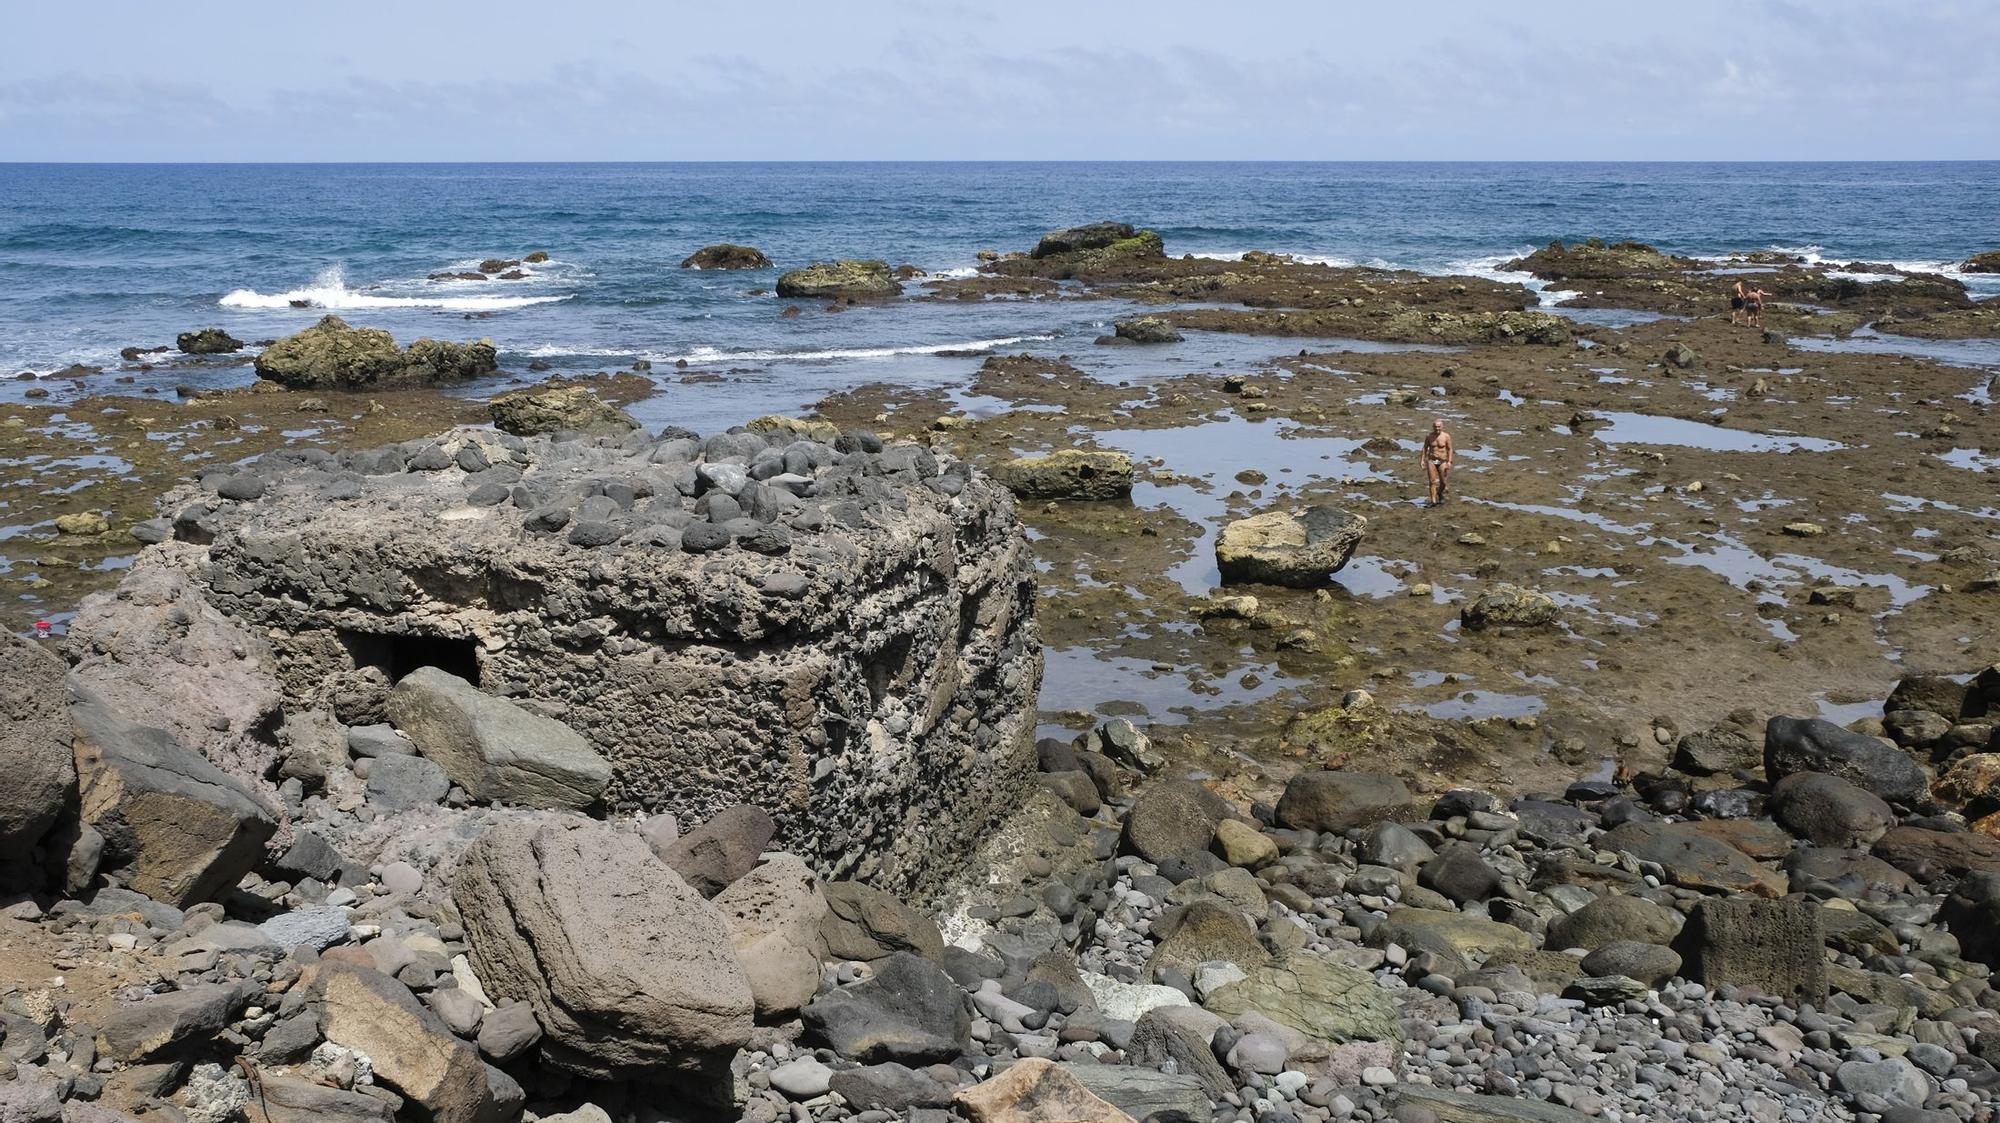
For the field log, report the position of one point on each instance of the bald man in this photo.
(1438, 455)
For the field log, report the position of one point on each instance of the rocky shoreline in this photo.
(576, 771)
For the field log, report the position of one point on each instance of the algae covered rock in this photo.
(207, 341)
(1298, 549)
(726, 255)
(558, 409)
(1314, 996)
(1091, 236)
(331, 355)
(1509, 606)
(1988, 262)
(1070, 473)
(852, 279)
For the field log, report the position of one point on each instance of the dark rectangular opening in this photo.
(396, 656)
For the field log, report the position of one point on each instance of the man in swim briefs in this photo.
(1739, 294)
(1438, 454)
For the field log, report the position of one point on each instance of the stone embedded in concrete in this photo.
(1777, 947)
(842, 634)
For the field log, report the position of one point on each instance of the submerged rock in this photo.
(1147, 329)
(330, 355)
(1094, 236)
(1300, 549)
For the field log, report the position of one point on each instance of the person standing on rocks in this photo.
(1753, 307)
(1438, 456)
(1739, 295)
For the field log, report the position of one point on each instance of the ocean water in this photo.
(98, 257)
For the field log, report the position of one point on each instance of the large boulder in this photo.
(1509, 606)
(1298, 549)
(494, 749)
(1829, 811)
(175, 827)
(1813, 745)
(409, 1047)
(1721, 749)
(1927, 854)
(630, 972)
(774, 914)
(207, 341)
(156, 646)
(726, 255)
(1169, 820)
(35, 756)
(909, 1012)
(1448, 933)
(558, 409)
(849, 279)
(1988, 262)
(1205, 931)
(1315, 996)
(1972, 914)
(1334, 800)
(1692, 859)
(330, 355)
(1145, 1093)
(1071, 473)
(1618, 916)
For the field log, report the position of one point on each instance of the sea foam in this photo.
(329, 291)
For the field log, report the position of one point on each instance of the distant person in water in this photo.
(1753, 307)
(1739, 296)
(1438, 453)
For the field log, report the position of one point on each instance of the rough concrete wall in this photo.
(872, 685)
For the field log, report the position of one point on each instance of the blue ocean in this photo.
(94, 258)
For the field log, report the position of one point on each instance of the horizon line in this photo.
(955, 160)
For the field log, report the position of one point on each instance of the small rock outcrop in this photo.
(1093, 236)
(1070, 473)
(330, 355)
(1983, 263)
(558, 409)
(1146, 329)
(207, 341)
(1300, 549)
(494, 749)
(631, 973)
(850, 279)
(726, 255)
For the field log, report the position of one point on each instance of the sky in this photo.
(196, 80)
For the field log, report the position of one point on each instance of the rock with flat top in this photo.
(1299, 549)
(1036, 1091)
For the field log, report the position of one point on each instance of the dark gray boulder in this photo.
(1812, 745)
(910, 1012)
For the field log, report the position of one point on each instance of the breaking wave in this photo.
(329, 291)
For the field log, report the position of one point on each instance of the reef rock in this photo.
(558, 409)
(849, 279)
(330, 355)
